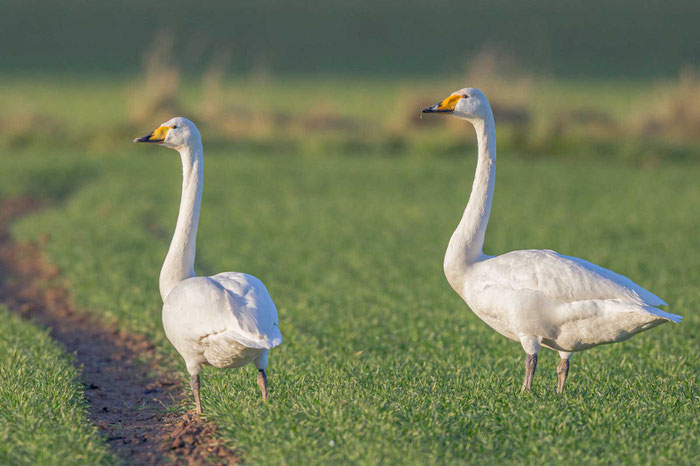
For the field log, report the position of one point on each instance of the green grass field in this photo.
(42, 413)
(382, 362)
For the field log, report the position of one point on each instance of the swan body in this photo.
(226, 320)
(535, 297)
(570, 303)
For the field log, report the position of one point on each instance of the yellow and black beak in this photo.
(446, 106)
(156, 136)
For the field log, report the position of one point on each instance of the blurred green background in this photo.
(615, 79)
(596, 38)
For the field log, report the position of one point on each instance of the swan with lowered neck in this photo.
(535, 297)
(226, 320)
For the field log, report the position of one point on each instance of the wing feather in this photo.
(564, 278)
(250, 304)
(231, 304)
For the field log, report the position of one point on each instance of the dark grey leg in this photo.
(262, 383)
(194, 383)
(562, 372)
(530, 366)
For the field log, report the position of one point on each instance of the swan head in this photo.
(467, 103)
(176, 133)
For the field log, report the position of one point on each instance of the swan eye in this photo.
(173, 127)
(465, 96)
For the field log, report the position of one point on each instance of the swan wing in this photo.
(564, 278)
(230, 304)
(255, 322)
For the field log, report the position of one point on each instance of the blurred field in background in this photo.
(596, 38)
(638, 122)
(608, 79)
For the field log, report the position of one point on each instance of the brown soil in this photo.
(128, 392)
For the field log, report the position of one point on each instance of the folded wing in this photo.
(230, 304)
(254, 320)
(564, 279)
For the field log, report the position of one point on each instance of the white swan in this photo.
(535, 297)
(226, 320)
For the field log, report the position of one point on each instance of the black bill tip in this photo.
(147, 138)
(435, 109)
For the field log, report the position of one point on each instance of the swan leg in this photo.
(531, 345)
(262, 383)
(261, 364)
(194, 383)
(530, 366)
(562, 370)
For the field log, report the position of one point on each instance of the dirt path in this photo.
(127, 396)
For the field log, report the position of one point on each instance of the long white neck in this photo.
(179, 263)
(467, 242)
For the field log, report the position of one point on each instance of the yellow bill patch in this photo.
(449, 103)
(160, 133)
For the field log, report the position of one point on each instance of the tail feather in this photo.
(666, 315)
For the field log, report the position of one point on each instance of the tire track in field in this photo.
(127, 390)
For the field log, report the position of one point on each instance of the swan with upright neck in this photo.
(535, 297)
(226, 320)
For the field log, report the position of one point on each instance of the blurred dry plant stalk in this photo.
(492, 70)
(19, 130)
(212, 106)
(154, 96)
(677, 115)
(231, 116)
(220, 112)
(499, 75)
(508, 85)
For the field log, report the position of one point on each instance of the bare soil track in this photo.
(128, 392)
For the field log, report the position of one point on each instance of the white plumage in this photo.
(207, 318)
(226, 320)
(536, 297)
